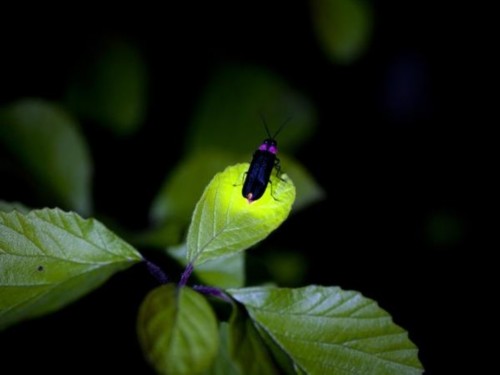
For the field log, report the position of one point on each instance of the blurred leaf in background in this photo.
(228, 115)
(343, 28)
(185, 184)
(110, 87)
(48, 144)
(286, 267)
(308, 190)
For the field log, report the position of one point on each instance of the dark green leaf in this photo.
(246, 346)
(224, 364)
(111, 87)
(286, 267)
(47, 141)
(49, 258)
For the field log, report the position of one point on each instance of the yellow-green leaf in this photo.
(224, 222)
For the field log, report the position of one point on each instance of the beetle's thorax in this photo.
(269, 145)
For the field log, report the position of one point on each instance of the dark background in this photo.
(393, 151)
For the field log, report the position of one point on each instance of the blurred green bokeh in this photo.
(343, 28)
(110, 86)
(444, 229)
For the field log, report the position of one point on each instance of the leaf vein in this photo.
(348, 348)
(22, 233)
(76, 235)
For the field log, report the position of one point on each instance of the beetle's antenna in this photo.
(267, 126)
(282, 126)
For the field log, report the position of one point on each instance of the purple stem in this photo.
(185, 275)
(212, 291)
(156, 272)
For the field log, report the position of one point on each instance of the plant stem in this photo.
(185, 275)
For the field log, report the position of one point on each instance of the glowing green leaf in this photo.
(178, 331)
(49, 258)
(224, 222)
(325, 330)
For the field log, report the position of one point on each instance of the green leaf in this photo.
(326, 330)
(47, 141)
(178, 331)
(228, 115)
(111, 87)
(343, 27)
(227, 272)
(246, 346)
(224, 364)
(308, 190)
(49, 258)
(241, 349)
(224, 222)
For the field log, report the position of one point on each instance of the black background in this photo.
(385, 174)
